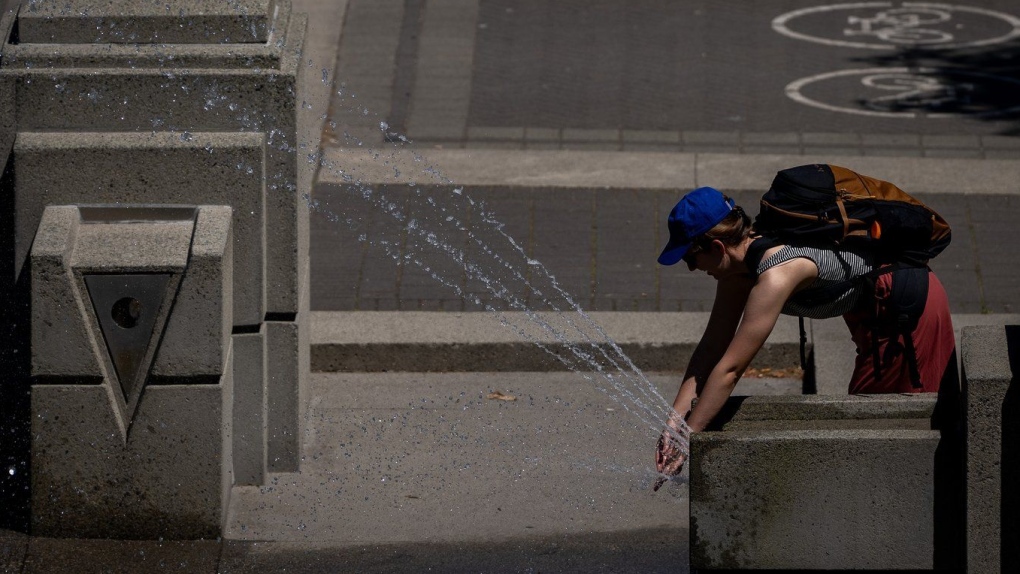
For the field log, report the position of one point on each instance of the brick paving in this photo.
(599, 244)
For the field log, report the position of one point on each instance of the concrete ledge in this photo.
(856, 410)
(654, 170)
(820, 499)
(828, 483)
(514, 342)
(126, 21)
(433, 341)
(991, 362)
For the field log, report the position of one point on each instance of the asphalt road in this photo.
(770, 76)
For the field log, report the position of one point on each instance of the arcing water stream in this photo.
(450, 234)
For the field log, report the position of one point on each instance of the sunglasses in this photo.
(693, 250)
(697, 246)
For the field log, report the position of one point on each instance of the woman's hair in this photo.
(733, 229)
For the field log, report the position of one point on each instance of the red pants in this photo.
(933, 340)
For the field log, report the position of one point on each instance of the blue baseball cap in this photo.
(695, 213)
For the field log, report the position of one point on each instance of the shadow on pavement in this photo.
(646, 551)
(979, 82)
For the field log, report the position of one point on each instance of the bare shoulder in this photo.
(797, 272)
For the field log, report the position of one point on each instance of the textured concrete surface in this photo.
(193, 343)
(147, 168)
(104, 462)
(57, 307)
(429, 458)
(813, 499)
(654, 551)
(116, 94)
(427, 341)
(198, 330)
(285, 376)
(991, 358)
(164, 479)
(249, 411)
(130, 22)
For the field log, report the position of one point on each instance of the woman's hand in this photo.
(670, 453)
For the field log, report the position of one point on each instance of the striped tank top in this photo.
(834, 266)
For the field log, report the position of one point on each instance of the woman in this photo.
(710, 233)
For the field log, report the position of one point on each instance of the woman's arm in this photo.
(730, 298)
(764, 303)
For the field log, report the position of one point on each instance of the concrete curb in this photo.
(424, 341)
(653, 170)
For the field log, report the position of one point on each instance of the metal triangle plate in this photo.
(127, 307)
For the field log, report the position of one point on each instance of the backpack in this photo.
(825, 205)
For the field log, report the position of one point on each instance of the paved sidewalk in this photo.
(510, 222)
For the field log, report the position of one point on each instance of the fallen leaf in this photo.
(767, 372)
(499, 396)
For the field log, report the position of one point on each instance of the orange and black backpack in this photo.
(823, 205)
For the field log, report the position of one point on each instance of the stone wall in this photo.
(112, 116)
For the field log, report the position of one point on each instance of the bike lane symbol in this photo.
(908, 92)
(889, 25)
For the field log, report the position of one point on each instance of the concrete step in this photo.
(423, 341)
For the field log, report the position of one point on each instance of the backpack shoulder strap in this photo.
(756, 250)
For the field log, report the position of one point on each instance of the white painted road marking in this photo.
(912, 87)
(914, 24)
